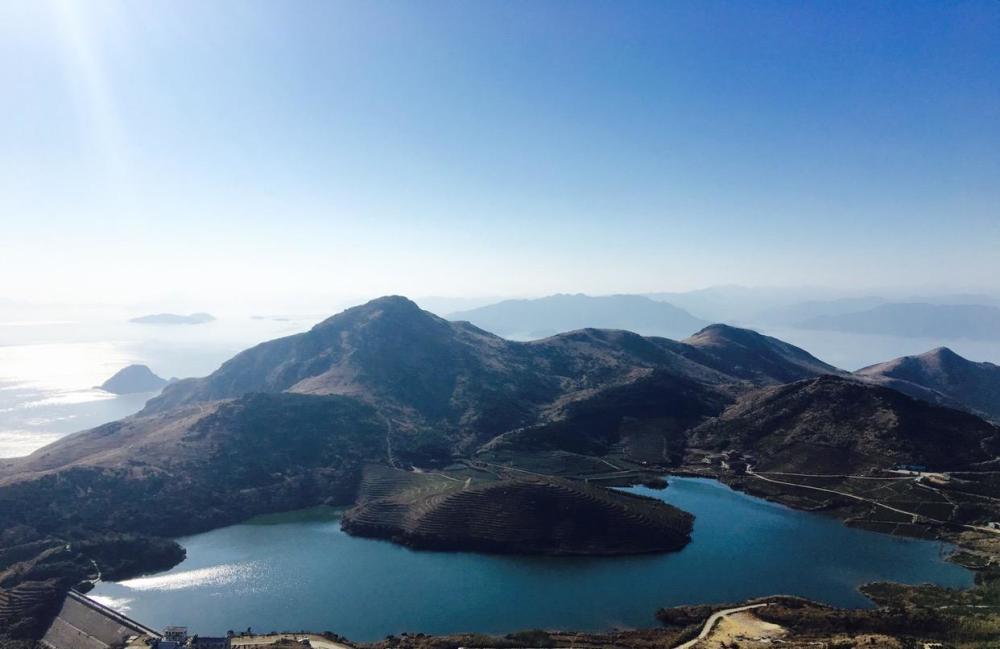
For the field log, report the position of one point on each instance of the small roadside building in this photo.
(178, 634)
(209, 642)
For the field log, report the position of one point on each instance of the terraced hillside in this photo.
(530, 514)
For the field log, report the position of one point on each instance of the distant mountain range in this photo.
(943, 321)
(547, 316)
(677, 315)
(466, 384)
(741, 304)
(174, 319)
(449, 387)
(794, 314)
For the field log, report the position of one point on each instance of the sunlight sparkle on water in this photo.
(60, 367)
(17, 443)
(214, 576)
(120, 604)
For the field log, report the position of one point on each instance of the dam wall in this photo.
(83, 623)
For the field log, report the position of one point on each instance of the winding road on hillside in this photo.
(914, 516)
(712, 620)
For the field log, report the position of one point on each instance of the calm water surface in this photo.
(299, 571)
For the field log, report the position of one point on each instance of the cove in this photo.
(298, 571)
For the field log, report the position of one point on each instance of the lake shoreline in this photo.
(646, 584)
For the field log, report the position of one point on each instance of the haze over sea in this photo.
(49, 369)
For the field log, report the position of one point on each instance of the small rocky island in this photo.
(134, 379)
(174, 318)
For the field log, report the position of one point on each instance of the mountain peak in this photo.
(394, 304)
(751, 355)
(393, 301)
(942, 353)
(719, 332)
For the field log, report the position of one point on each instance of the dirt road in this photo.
(713, 620)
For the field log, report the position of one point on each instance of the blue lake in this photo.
(300, 571)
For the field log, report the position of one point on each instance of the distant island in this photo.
(174, 318)
(134, 379)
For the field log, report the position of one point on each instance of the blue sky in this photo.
(208, 151)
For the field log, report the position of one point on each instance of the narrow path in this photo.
(712, 620)
(388, 440)
(938, 492)
(512, 468)
(613, 466)
(913, 515)
(440, 475)
(842, 475)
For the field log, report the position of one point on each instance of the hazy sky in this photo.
(241, 151)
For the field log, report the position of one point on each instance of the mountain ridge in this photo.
(840, 425)
(942, 376)
(468, 385)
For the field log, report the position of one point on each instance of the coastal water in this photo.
(850, 351)
(49, 368)
(300, 571)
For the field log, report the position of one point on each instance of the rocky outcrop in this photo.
(133, 379)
